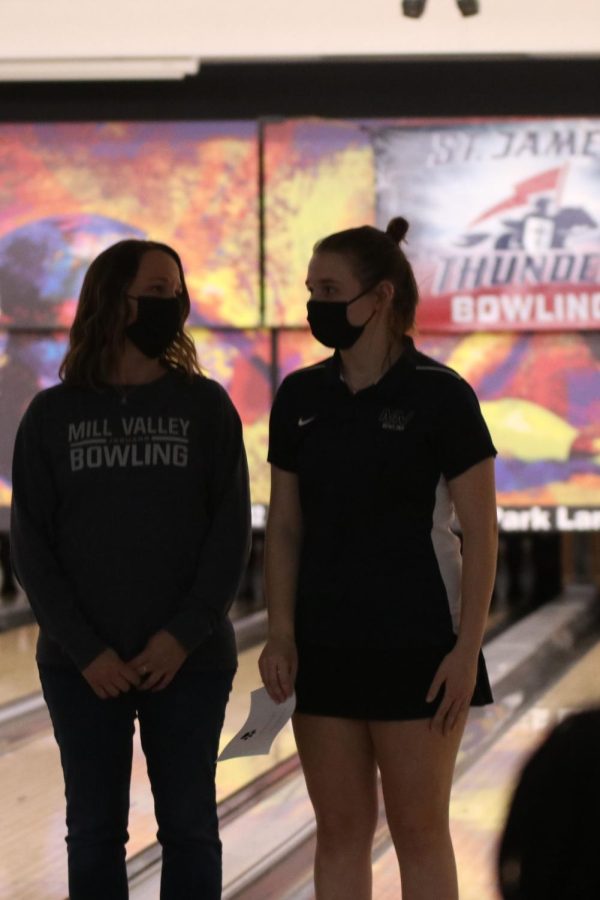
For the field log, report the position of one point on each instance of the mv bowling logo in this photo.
(394, 419)
(131, 441)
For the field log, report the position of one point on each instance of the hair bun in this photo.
(397, 229)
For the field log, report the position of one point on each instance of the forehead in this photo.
(330, 267)
(157, 264)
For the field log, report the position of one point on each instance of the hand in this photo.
(278, 665)
(108, 676)
(159, 661)
(458, 672)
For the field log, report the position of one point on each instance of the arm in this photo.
(225, 550)
(52, 599)
(474, 499)
(278, 662)
(34, 505)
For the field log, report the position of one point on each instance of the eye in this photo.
(162, 290)
(326, 290)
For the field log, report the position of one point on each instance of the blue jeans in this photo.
(179, 730)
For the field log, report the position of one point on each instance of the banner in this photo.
(71, 190)
(504, 220)
(318, 178)
(547, 519)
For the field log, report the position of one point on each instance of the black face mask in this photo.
(329, 323)
(157, 323)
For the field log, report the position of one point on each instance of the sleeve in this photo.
(33, 535)
(226, 548)
(462, 438)
(283, 430)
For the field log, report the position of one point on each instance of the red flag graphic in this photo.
(545, 181)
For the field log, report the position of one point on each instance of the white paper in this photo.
(265, 721)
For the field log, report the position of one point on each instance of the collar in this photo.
(394, 375)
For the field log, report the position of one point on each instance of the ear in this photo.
(385, 292)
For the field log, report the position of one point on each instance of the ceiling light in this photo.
(468, 7)
(413, 8)
(99, 69)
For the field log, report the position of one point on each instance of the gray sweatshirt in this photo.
(131, 514)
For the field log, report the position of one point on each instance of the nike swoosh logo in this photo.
(302, 422)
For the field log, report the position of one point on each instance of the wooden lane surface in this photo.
(481, 797)
(33, 856)
(18, 671)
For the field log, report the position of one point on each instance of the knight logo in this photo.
(543, 224)
(525, 261)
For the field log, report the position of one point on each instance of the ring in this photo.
(144, 670)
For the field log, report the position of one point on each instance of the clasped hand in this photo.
(151, 670)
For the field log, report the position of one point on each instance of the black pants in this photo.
(179, 729)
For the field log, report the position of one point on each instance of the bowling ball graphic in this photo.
(43, 263)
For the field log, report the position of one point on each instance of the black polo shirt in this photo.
(380, 564)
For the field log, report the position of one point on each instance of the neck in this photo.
(368, 360)
(133, 367)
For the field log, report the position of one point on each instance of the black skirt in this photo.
(374, 683)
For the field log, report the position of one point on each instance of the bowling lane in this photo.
(481, 796)
(18, 671)
(33, 859)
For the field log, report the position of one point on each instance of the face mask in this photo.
(329, 323)
(157, 323)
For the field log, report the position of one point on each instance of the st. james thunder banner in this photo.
(504, 220)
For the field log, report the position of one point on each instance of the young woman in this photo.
(370, 618)
(130, 533)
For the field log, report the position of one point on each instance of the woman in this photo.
(130, 533)
(372, 450)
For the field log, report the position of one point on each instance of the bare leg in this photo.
(416, 766)
(341, 777)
